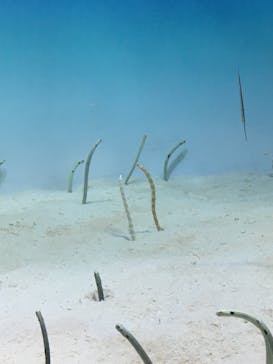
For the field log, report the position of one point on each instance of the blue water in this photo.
(75, 71)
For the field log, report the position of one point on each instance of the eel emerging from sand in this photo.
(260, 325)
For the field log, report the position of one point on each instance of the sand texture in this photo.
(215, 253)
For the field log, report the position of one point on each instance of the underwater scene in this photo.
(136, 181)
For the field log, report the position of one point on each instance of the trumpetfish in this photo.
(242, 106)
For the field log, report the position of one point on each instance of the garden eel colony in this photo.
(268, 338)
(136, 159)
(86, 170)
(153, 198)
(260, 325)
(71, 175)
(126, 207)
(139, 349)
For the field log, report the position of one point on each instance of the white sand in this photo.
(215, 253)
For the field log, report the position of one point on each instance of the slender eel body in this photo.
(166, 173)
(86, 171)
(136, 159)
(260, 325)
(71, 175)
(153, 198)
(45, 336)
(133, 341)
(127, 211)
(99, 286)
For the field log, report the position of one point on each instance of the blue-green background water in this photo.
(74, 71)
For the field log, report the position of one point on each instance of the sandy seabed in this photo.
(215, 253)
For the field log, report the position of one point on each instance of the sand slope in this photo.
(216, 252)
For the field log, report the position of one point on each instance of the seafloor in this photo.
(215, 253)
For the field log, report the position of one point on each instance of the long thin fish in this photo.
(242, 106)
